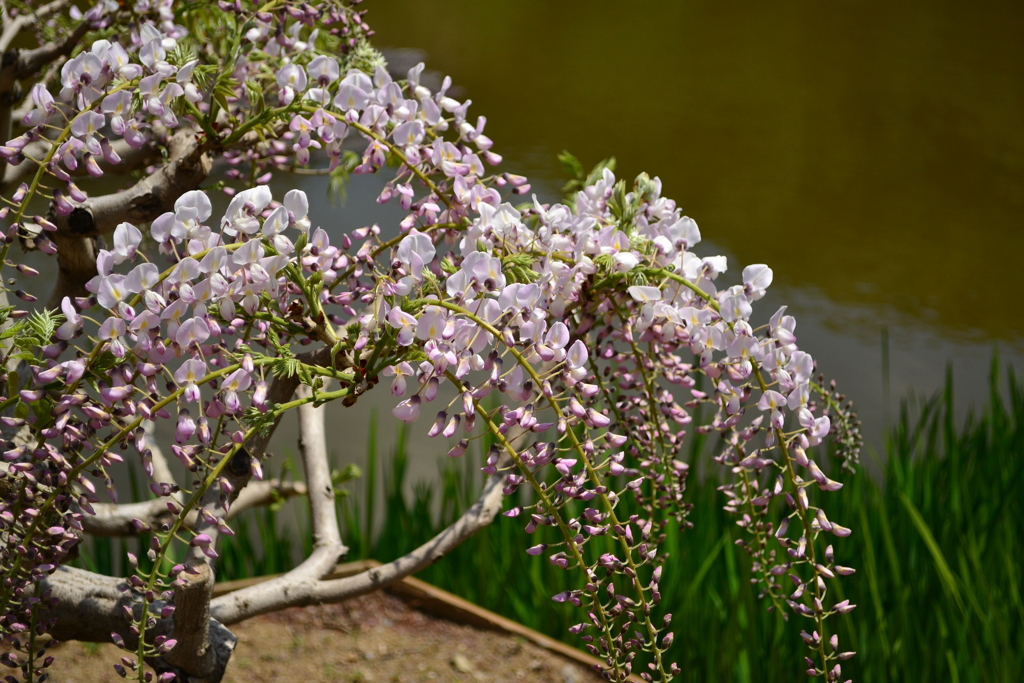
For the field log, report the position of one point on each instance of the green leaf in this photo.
(255, 94)
(572, 165)
(42, 409)
(12, 330)
(338, 179)
(949, 579)
(305, 376)
(252, 418)
(598, 170)
(350, 472)
(579, 178)
(285, 367)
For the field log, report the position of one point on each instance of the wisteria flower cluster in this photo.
(588, 339)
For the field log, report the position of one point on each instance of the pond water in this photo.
(871, 153)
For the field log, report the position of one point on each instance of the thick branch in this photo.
(192, 625)
(294, 590)
(91, 607)
(28, 63)
(161, 470)
(17, 65)
(192, 653)
(313, 447)
(186, 169)
(116, 520)
(11, 31)
(131, 159)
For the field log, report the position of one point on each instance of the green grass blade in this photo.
(949, 580)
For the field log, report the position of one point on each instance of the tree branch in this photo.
(187, 167)
(28, 63)
(313, 447)
(295, 590)
(132, 158)
(17, 65)
(161, 470)
(193, 654)
(116, 520)
(90, 607)
(23, 21)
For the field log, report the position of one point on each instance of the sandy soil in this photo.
(374, 638)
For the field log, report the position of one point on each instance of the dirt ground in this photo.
(373, 638)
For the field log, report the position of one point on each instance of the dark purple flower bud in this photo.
(20, 193)
(91, 166)
(201, 541)
(840, 531)
(54, 350)
(162, 488)
(76, 193)
(44, 245)
(61, 204)
(438, 425)
(452, 426)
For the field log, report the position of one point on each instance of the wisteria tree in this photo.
(605, 337)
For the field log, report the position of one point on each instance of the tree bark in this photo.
(187, 167)
(294, 590)
(116, 520)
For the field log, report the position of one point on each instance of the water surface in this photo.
(871, 152)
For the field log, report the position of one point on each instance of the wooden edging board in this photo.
(423, 596)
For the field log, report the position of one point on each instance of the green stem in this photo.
(212, 477)
(541, 492)
(819, 620)
(591, 474)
